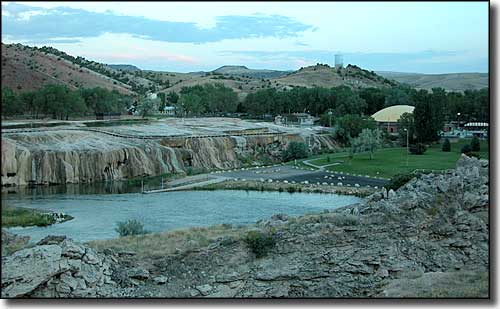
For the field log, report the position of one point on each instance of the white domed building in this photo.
(388, 117)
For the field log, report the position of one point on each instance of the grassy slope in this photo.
(391, 161)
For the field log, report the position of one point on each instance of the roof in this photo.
(476, 124)
(392, 113)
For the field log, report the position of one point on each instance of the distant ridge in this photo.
(124, 67)
(450, 81)
(241, 70)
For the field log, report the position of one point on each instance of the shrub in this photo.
(466, 149)
(417, 149)
(296, 150)
(474, 144)
(474, 154)
(446, 145)
(398, 181)
(343, 219)
(130, 227)
(291, 189)
(260, 243)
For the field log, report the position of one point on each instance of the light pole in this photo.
(330, 118)
(407, 144)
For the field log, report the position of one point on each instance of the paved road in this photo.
(319, 167)
(290, 174)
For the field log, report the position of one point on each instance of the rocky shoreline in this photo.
(430, 238)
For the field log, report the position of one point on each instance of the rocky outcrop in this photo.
(57, 267)
(420, 236)
(64, 156)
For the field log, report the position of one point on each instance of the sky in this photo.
(421, 37)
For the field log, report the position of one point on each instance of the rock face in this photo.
(57, 267)
(380, 248)
(56, 157)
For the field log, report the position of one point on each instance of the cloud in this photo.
(34, 23)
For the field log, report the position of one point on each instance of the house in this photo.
(169, 110)
(388, 117)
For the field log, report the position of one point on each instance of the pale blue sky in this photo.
(426, 37)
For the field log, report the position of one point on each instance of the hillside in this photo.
(240, 70)
(325, 76)
(25, 68)
(450, 82)
(28, 68)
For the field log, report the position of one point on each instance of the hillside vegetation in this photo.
(25, 68)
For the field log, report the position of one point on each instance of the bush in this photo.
(474, 154)
(418, 149)
(474, 144)
(296, 150)
(467, 149)
(260, 243)
(446, 145)
(398, 181)
(130, 227)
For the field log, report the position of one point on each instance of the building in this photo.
(304, 119)
(388, 117)
(339, 61)
(278, 120)
(479, 129)
(169, 110)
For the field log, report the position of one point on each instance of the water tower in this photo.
(339, 61)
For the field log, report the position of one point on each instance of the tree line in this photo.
(61, 102)
(473, 105)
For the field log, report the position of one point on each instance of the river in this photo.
(96, 214)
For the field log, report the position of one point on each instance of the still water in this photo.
(95, 215)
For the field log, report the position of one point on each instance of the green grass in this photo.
(17, 216)
(391, 161)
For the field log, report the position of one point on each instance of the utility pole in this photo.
(407, 145)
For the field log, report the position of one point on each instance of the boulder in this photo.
(62, 268)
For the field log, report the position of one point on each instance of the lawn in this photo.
(391, 161)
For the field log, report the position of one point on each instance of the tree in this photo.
(11, 104)
(146, 106)
(374, 98)
(406, 129)
(466, 149)
(296, 150)
(417, 149)
(427, 121)
(474, 144)
(350, 126)
(368, 140)
(172, 98)
(398, 96)
(191, 104)
(446, 145)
